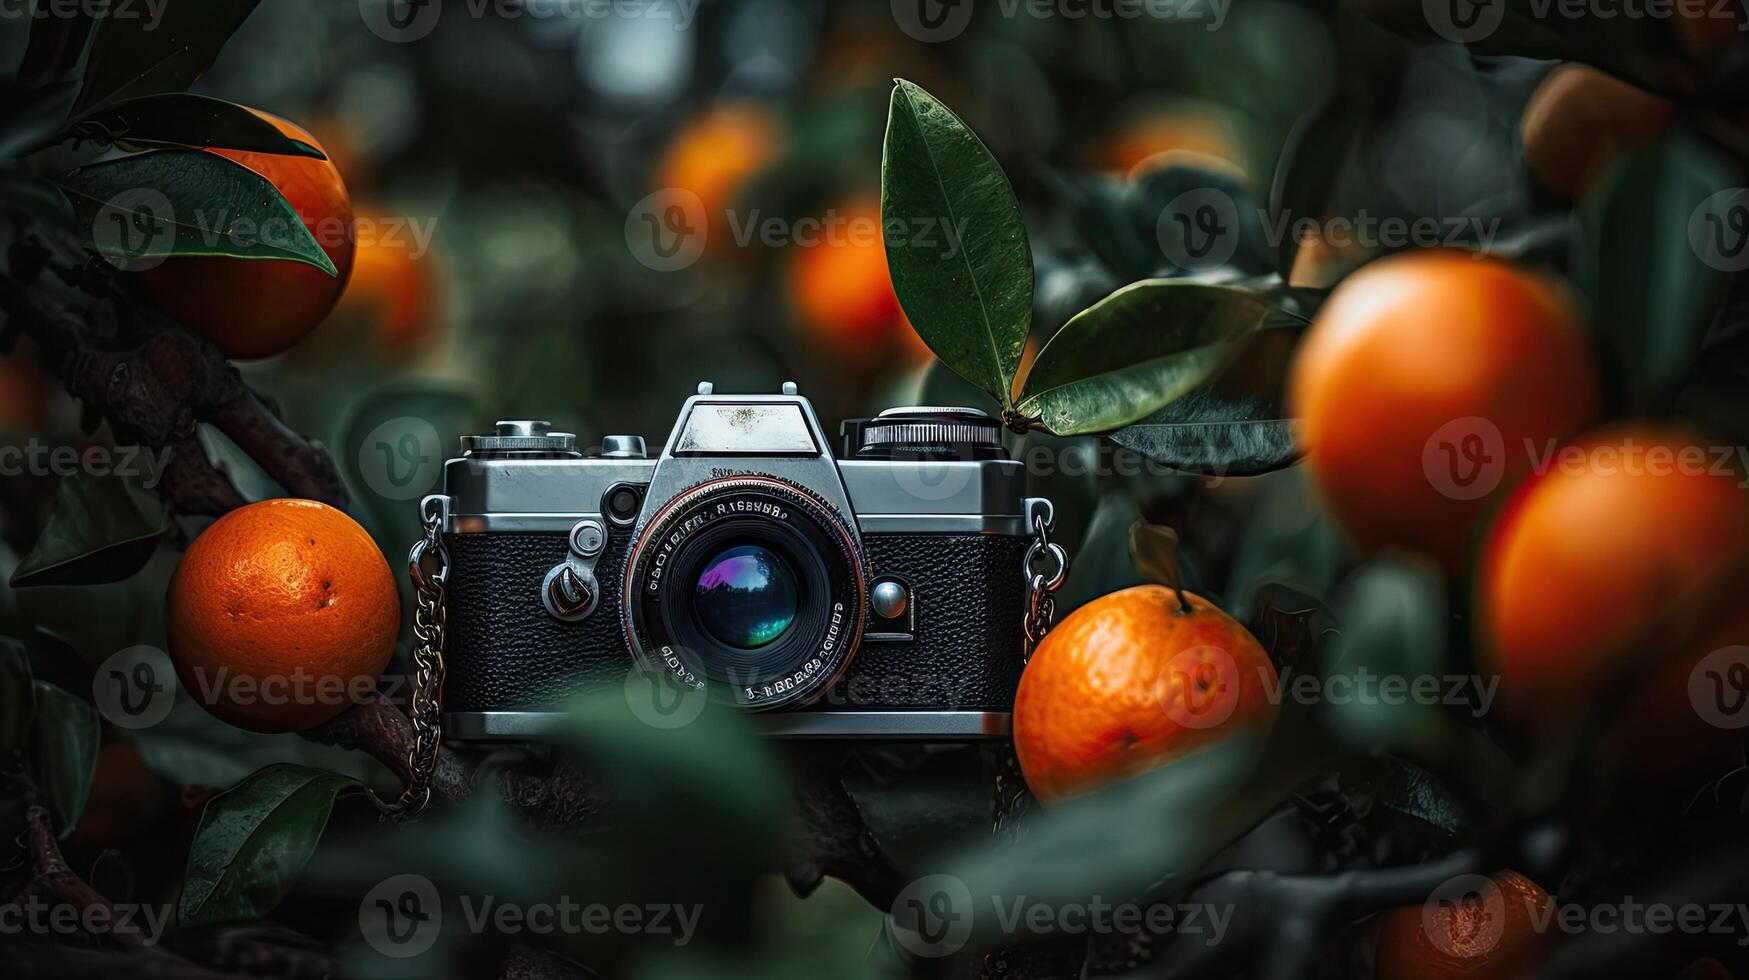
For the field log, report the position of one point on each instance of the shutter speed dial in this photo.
(930, 432)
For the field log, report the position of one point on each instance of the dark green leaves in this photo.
(161, 49)
(956, 247)
(183, 119)
(17, 695)
(1662, 238)
(253, 840)
(187, 202)
(1135, 351)
(67, 736)
(1204, 434)
(100, 531)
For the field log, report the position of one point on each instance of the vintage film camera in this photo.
(889, 593)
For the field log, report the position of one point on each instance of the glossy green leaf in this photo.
(162, 47)
(956, 246)
(67, 735)
(1136, 351)
(185, 119)
(1214, 436)
(17, 695)
(187, 202)
(253, 839)
(100, 531)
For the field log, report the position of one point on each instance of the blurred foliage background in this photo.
(501, 159)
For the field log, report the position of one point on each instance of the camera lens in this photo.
(746, 596)
(753, 582)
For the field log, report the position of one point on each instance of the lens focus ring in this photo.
(752, 582)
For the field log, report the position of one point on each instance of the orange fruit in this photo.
(281, 614)
(1493, 934)
(1579, 120)
(256, 308)
(1181, 125)
(1132, 681)
(393, 293)
(1418, 385)
(1587, 555)
(842, 293)
(126, 798)
(713, 154)
(24, 395)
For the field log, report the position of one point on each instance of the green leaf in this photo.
(100, 531)
(215, 207)
(185, 119)
(1651, 262)
(252, 841)
(1392, 616)
(1135, 351)
(1205, 433)
(161, 48)
(67, 737)
(956, 246)
(17, 695)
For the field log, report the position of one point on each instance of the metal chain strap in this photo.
(428, 564)
(1041, 611)
(1041, 585)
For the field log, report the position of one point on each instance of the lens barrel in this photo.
(751, 582)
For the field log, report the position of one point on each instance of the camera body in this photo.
(881, 595)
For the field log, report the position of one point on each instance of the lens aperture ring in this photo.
(664, 563)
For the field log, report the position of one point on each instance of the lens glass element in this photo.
(746, 596)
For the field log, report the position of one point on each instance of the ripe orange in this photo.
(1132, 681)
(1491, 935)
(126, 798)
(714, 153)
(1420, 382)
(1179, 125)
(280, 614)
(257, 308)
(23, 394)
(1587, 555)
(843, 295)
(1579, 120)
(392, 296)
